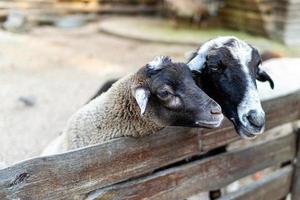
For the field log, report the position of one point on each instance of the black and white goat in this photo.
(226, 68)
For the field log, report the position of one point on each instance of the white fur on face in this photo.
(250, 102)
(242, 52)
(197, 63)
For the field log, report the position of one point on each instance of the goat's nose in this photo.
(215, 109)
(256, 119)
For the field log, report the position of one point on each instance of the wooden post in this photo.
(296, 176)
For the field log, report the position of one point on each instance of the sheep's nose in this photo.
(256, 119)
(215, 109)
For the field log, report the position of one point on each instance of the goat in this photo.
(226, 68)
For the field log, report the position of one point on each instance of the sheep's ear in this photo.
(197, 63)
(263, 77)
(141, 95)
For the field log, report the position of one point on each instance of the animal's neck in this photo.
(128, 120)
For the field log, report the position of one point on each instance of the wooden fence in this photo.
(175, 163)
(48, 9)
(275, 19)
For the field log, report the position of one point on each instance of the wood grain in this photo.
(203, 175)
(296, 175)
(274, 186)
(267, 18)
(84, 170)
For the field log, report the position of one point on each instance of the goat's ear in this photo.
(141, 95)
(263, 77)
(197, 63)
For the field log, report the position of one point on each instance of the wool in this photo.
(99, 120)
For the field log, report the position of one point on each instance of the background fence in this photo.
(175, 163)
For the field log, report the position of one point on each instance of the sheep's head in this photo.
(167, 94)
(227, 68)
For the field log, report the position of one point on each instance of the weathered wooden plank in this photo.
(282, 110)
(78, 172)
(296, 175)
(274, 186)
(102, 165)
(203, 175)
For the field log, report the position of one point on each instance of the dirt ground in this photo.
(58, 70)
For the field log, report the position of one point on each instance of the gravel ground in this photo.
(57, 70)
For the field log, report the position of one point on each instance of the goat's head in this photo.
(227, 68)
(167, 94)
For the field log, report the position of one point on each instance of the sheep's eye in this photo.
(163, 94)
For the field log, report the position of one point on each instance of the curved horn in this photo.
(197, 63)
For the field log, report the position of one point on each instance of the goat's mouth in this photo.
(246, 134)
(216, 122)
(247, 131)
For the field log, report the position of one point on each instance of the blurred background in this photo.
(55, 54)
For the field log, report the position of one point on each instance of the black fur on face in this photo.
(222, 80)
(228, 77)
(175, 99)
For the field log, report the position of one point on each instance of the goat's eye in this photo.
(214, 68)
(163, 94)
(217, 67)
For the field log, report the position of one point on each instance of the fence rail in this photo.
(172, 164)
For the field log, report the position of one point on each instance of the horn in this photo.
(197, 63)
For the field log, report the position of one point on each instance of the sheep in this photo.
(225, 68)
(103, 88)
(160, 94)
